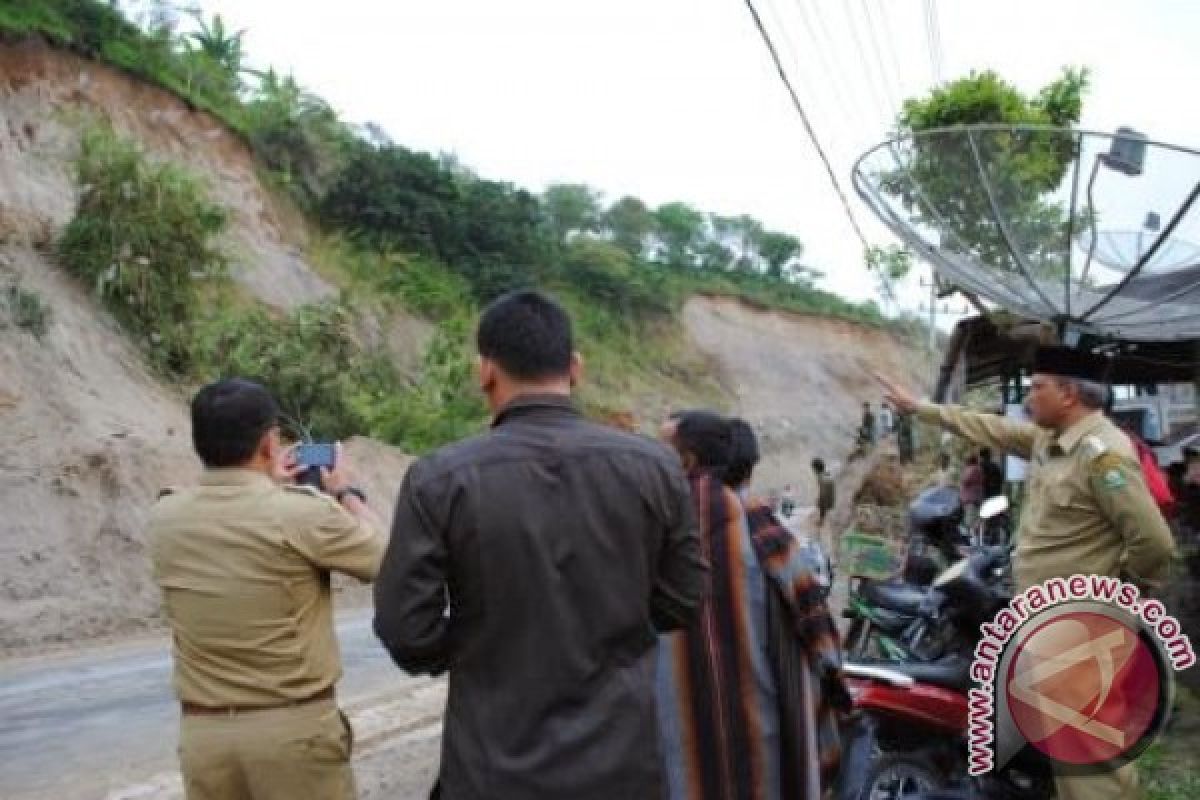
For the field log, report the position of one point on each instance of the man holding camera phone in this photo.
(243, 561)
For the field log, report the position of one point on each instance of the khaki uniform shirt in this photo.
(1087, 509)
(244, 564)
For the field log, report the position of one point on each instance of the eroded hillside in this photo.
(91, 433)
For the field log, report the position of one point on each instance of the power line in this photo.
(937, 38)
(812, 134)
(880, 105)
(792, 51)
(893, 104)
(852, 113)
(866, 116)
(888, 42)
(933, 40)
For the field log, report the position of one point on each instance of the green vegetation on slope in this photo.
(401, 230)
(142, 237)
(497, 236)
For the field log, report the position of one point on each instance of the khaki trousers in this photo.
(1120, 784)
(295, 753)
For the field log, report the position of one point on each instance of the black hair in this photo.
(818, 465)
(229, 418)
(706, 435)
(743, 453)
(528, 334)
(985, 453)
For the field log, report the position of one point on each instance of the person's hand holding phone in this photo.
(339, 475)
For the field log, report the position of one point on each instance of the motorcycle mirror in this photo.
(993, 507)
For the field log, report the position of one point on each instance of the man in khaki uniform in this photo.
(1087, 509)
(243, 561)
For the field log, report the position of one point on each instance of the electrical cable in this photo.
(877, 52)
(812, 134)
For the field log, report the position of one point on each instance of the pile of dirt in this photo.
(885, 485)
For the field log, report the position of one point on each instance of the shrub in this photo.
(308, 359)
(142, 237)
(441, 406)
(608, 274)
(26, 310)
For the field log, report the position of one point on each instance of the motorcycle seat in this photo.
(952, 673)
(893, 596)
(888, 621)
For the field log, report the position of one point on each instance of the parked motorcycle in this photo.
(885, 617)
(908, 730)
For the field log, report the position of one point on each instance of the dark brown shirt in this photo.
(535, 563)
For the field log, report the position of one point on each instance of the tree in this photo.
(571, 208)
(780, 251)
(218, 44)
(606, 272)
(740, 235)
(944, 185)
(503, 245)
(889, 264)
(893, 262)
(213, 59)
(395, 196)
(630, 224)
(295, 134)
(681, 233)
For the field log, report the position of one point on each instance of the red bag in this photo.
(1156, 479)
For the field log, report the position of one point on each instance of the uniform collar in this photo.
(526, 404)
(233, 476)
(1069, 439)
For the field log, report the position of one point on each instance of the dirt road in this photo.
(102, 724)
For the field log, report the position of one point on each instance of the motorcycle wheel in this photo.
(896, 775)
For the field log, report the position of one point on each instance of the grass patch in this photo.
(419, 283)
(1169, 769)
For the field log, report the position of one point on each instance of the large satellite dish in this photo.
(1092, 232)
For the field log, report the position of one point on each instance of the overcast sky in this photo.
(678, 100)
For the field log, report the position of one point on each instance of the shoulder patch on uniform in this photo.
(1105, 462)
(1095, 445)
(1114, 479)
(1110, 470)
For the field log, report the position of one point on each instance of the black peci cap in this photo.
(1070, 363)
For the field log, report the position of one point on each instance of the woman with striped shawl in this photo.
(744, 691)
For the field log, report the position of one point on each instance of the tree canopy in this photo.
(1023, 163)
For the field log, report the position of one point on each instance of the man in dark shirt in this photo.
(560, 547)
